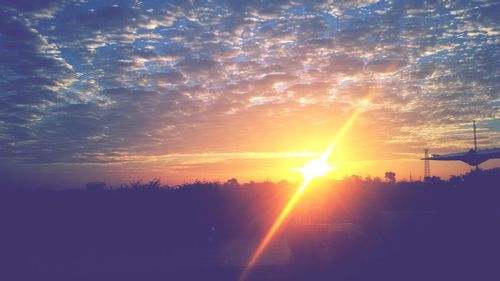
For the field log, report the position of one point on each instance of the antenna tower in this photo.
(475, 139)
(427, 167)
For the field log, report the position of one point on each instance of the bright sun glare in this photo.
(315, 168)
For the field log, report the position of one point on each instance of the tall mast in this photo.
(475, 139)
(427, 166)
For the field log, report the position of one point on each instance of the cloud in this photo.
(35, 10)
(344, 64)
(95, 82)
(197, 65)
(385, 65)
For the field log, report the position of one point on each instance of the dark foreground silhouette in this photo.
(353, 229)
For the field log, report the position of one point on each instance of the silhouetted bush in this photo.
(155, 219)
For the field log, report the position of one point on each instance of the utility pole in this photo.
(475, 138)
(427, 167)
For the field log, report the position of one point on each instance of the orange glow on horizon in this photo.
(309, 174)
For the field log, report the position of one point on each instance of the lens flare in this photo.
(313, 169)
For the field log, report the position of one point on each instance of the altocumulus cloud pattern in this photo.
(110, 81)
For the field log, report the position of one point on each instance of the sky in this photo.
(118, 91)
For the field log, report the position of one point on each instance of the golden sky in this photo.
(125, 90)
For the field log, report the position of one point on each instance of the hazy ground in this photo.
(398, 259)
(408, 231)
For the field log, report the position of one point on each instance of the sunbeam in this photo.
(313, 169)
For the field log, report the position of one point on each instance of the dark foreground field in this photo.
(407, 231)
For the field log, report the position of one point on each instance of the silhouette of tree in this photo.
(134, 185)
(231, 183)
(153, 184)
(456, 181)
(390, 176)
(434, 181)
(200, 186)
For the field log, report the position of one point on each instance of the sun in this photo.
(315, 168)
